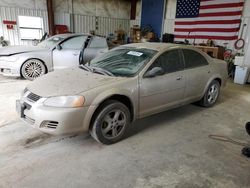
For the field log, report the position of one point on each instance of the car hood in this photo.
(12, 50)
(70, 81)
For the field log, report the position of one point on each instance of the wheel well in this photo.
(218, 79)
(46, 69)
(121, 98)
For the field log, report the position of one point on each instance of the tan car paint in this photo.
(147, 95)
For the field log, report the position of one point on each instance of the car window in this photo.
(51, 42)
(98, 42)
(170, 61)
(193, 59)
(123, 61)
(74, 43)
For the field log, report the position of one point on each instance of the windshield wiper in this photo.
(84, 67)
(102, 71)
(96, 70)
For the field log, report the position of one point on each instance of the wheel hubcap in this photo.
(113, 124)
(213, 93)
(33, 69)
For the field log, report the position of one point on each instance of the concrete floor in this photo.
(171, 149)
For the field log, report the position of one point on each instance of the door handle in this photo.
(179, 78)
(75, 54)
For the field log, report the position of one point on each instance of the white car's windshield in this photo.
(123, 61)
(51, 42)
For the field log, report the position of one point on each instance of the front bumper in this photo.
(51, 120)
(10, 68)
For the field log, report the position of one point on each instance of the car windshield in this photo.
(125, 62)
(51, 42)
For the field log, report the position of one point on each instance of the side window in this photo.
(193, 59)
(74, 43)
(170, 61)
(98, 42)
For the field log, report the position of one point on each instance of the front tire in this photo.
(32, 69)
(111, 122)
(212, 94)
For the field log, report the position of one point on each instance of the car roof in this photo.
(158, 46)
(66, 35)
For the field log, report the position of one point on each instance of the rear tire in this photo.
(32, 69)
(110, 123)
(212, 94)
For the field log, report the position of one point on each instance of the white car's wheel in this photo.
(110, 123)
(32, 69)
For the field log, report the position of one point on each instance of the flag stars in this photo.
(187, 8)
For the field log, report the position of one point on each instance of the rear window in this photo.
(193, 59)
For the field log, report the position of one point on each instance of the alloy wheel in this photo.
(113, 124)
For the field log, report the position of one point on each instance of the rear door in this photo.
(97, 45)
(164, 91)
(197, 71)
(68, 55)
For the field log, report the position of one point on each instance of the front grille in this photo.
(49, 124)
(33, 97)
(29, 120)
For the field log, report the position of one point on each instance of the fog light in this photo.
(6, 71)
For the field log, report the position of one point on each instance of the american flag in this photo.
(208, 19)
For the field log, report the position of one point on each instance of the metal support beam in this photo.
(133, 10)
(50, 17)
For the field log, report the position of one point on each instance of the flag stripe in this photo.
(226, 5)
(207, 37)
(208, 19)
(216, 14)
(193, 34)
(232, 9)
(227, 26)
(214, 2)
(208, 22)
(207, 30)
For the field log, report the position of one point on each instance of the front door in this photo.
(68, 55)
(161, 92)
(97, 46)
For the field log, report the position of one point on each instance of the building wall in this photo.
(170, 18)
(28, 4)
(107, 8)
(102, 16)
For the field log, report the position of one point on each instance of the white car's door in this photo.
(166, 90)
(97, 45)
(68, 55)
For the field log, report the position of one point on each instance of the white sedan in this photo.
(57, 52)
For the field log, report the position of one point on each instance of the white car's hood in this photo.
(70, 81)
(12, 50)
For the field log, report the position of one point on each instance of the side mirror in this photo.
(156, 71)
(58, 47)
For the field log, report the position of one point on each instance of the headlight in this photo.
(9, 58)
(24, 91)
(65, 101)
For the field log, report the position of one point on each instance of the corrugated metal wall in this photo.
(101, 25)
(135, 22)
(11, 14)
(62, 19)
(82, 23)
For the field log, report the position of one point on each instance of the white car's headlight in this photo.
(24, 91)
(9, 58)
(65, 101)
